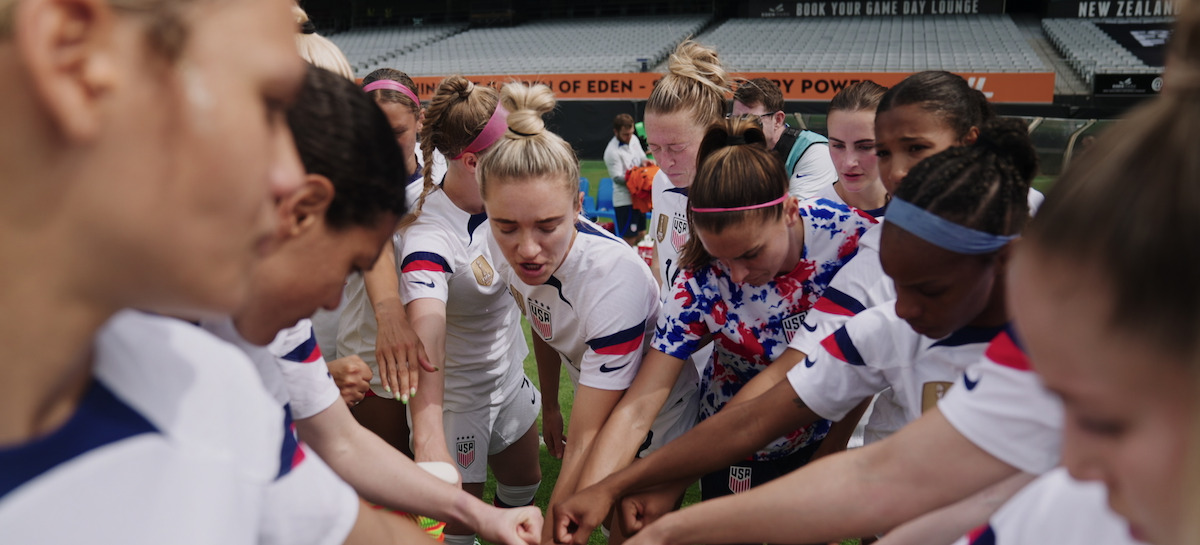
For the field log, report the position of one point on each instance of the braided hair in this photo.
(457, 114)
(984, 186)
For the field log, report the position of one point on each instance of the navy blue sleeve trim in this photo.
(101, 419)
(842, 300)
(619, 337)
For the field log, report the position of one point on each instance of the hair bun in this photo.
(1009, 139)
(699, 62)
(526, 105)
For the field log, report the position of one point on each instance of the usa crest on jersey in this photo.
(539, 318)
(792, 324)
(679, 232)
(466, 451)
(739, 479)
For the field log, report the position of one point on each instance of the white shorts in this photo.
(676, 418)
(474, 435)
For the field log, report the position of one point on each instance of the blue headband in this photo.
(941, 232)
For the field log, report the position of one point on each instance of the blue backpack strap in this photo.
(804, 140)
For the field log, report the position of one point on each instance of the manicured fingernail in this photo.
(397, 396)
(387, 389)
(412, 391)
(436, 369)
(404, 398)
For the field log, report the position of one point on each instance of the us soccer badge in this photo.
(539, 318)
(792, 324)
(679, 232)
(465, 448)
(739, 479)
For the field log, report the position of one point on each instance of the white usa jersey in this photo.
(670, 227)
(751, 325)
(174, 441)
(446, 256)
(597, 324)
(1054, 509)
(1001, 406)
(877, 350)
(356, 327)
(860, 285)
(308, 503)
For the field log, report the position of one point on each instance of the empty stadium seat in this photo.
(1091, 51)
(989, 43)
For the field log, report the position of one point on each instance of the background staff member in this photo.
(624, 152)
(804, 154)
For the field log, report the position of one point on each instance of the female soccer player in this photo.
(481, 411)
(852, 148)
(143, 146)
(684, 103)
(916, 346)
(373, 296)
(1119, 350)
(759, 262)
(337, 221)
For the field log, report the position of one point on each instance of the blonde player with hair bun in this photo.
(317, 49)
(481, 410)
(595, 330)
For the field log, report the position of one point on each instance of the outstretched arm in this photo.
(592, 407)
(429, 436)
(549, 366)
(630, 421)
(384, 476)
(398, 350)
(732, 434)
(924, 466)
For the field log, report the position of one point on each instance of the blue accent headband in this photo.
(941, 232)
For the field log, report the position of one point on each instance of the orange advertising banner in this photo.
(997, 86)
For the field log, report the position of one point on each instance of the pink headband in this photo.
(491, 132)
(740, 208)
(392, 86)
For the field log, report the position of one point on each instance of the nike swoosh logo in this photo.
(970, 384)
(810, 328)
(418, 282)
(809, 362)
(604, 368)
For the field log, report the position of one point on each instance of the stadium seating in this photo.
(990, 43)
(541, 47)
(371, 48)
(1091, 51)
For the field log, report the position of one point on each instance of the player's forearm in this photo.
(925, 466)
(381, 282)
(617, 443)
(379, 472)
(429, 439)
(731, 435)
(626, 428)
(549, 366)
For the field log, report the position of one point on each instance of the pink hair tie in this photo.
(740, 208)
(490, 134)
(392, 86)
